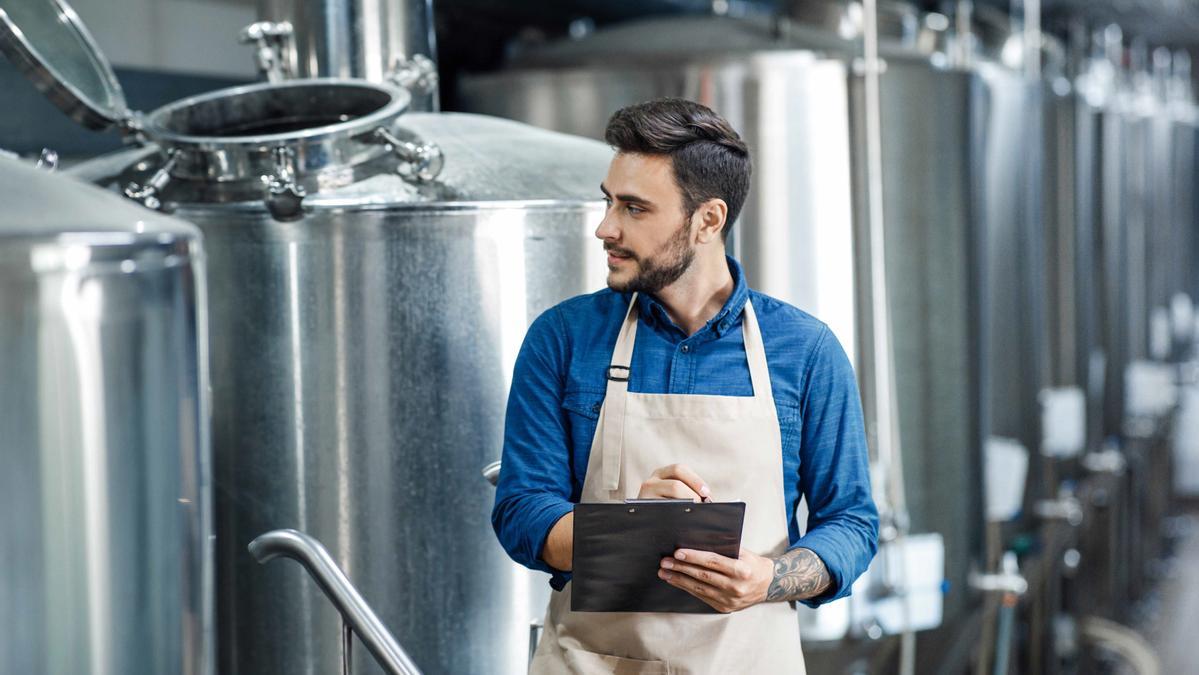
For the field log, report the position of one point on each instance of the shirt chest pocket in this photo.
(581, 410)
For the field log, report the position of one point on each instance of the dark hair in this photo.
(710, 160)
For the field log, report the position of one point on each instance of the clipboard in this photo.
(618, 549)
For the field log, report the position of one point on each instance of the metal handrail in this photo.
(356, 614)
(492, 473)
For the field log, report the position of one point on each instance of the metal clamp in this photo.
(274, 44)
(284, 196)
(148, 194)
(417, 74)
(419, 162)
(48, 160)
(1065, 508)
(1009, 581)
(355, 611)
(1105, 461)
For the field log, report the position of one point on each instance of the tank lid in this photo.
(48, 42)
(40, 204)
(487, 159)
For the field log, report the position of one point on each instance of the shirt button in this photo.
(686, 348)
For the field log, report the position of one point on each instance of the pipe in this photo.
(354, 609)
(1124, 642)
(885, 395)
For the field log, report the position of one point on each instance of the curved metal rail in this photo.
(356, 614)
(492, 473)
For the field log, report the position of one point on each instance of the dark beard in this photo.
(663, 268)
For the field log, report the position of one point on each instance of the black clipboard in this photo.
(618, 549)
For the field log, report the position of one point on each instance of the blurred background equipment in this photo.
(991, 203)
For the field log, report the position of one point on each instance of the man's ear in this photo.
(711, 216)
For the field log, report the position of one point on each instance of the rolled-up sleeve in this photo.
(534, 489)
(835, 471)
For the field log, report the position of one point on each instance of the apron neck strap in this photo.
(755, 350)
(622, 355)
(755, 353)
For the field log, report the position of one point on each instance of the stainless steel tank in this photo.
(788, 85)
(362, 357)
(371, 280)
(105, 511)
(1008, 148)
(376, 40)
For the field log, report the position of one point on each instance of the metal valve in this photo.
(274, 48)
(148, 194)
(419, 162)
(284, 196)
(417, 74)
(48, 160)
(1008, 581)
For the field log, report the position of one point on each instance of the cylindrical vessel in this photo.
(362, 353)
(356, 38)
(105, 525)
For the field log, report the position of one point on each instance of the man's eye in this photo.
(635, 209)
(608, 201)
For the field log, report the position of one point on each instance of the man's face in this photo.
(645, 231)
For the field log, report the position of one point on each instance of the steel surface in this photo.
(105, 513)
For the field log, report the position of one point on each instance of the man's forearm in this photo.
(558, 551)
(799, 574)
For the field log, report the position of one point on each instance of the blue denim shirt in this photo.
(559, 383)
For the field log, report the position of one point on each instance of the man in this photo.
(678, 381)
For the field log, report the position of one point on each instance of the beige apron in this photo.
(734, 444)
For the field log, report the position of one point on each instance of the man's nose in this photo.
(607, 230)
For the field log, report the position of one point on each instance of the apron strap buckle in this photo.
(618, 378)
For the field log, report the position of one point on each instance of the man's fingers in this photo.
(703, 574)
(727, 566)
(682, 472)
(679, 490)
(699, 589)
(667, 489)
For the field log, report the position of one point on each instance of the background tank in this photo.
(104, 497)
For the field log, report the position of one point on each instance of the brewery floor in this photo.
(1170, 612)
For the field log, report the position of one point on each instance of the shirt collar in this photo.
(728, 317)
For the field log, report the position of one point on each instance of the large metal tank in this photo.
(371, 280)
(789, 87)
(362, 354)
(1007, 118)
(105, 513)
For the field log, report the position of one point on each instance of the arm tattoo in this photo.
(799, 574)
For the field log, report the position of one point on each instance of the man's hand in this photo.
(727, 584)
(676, 481)
(730, 585)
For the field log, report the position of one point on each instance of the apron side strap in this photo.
(612, 420)
(613, 415)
